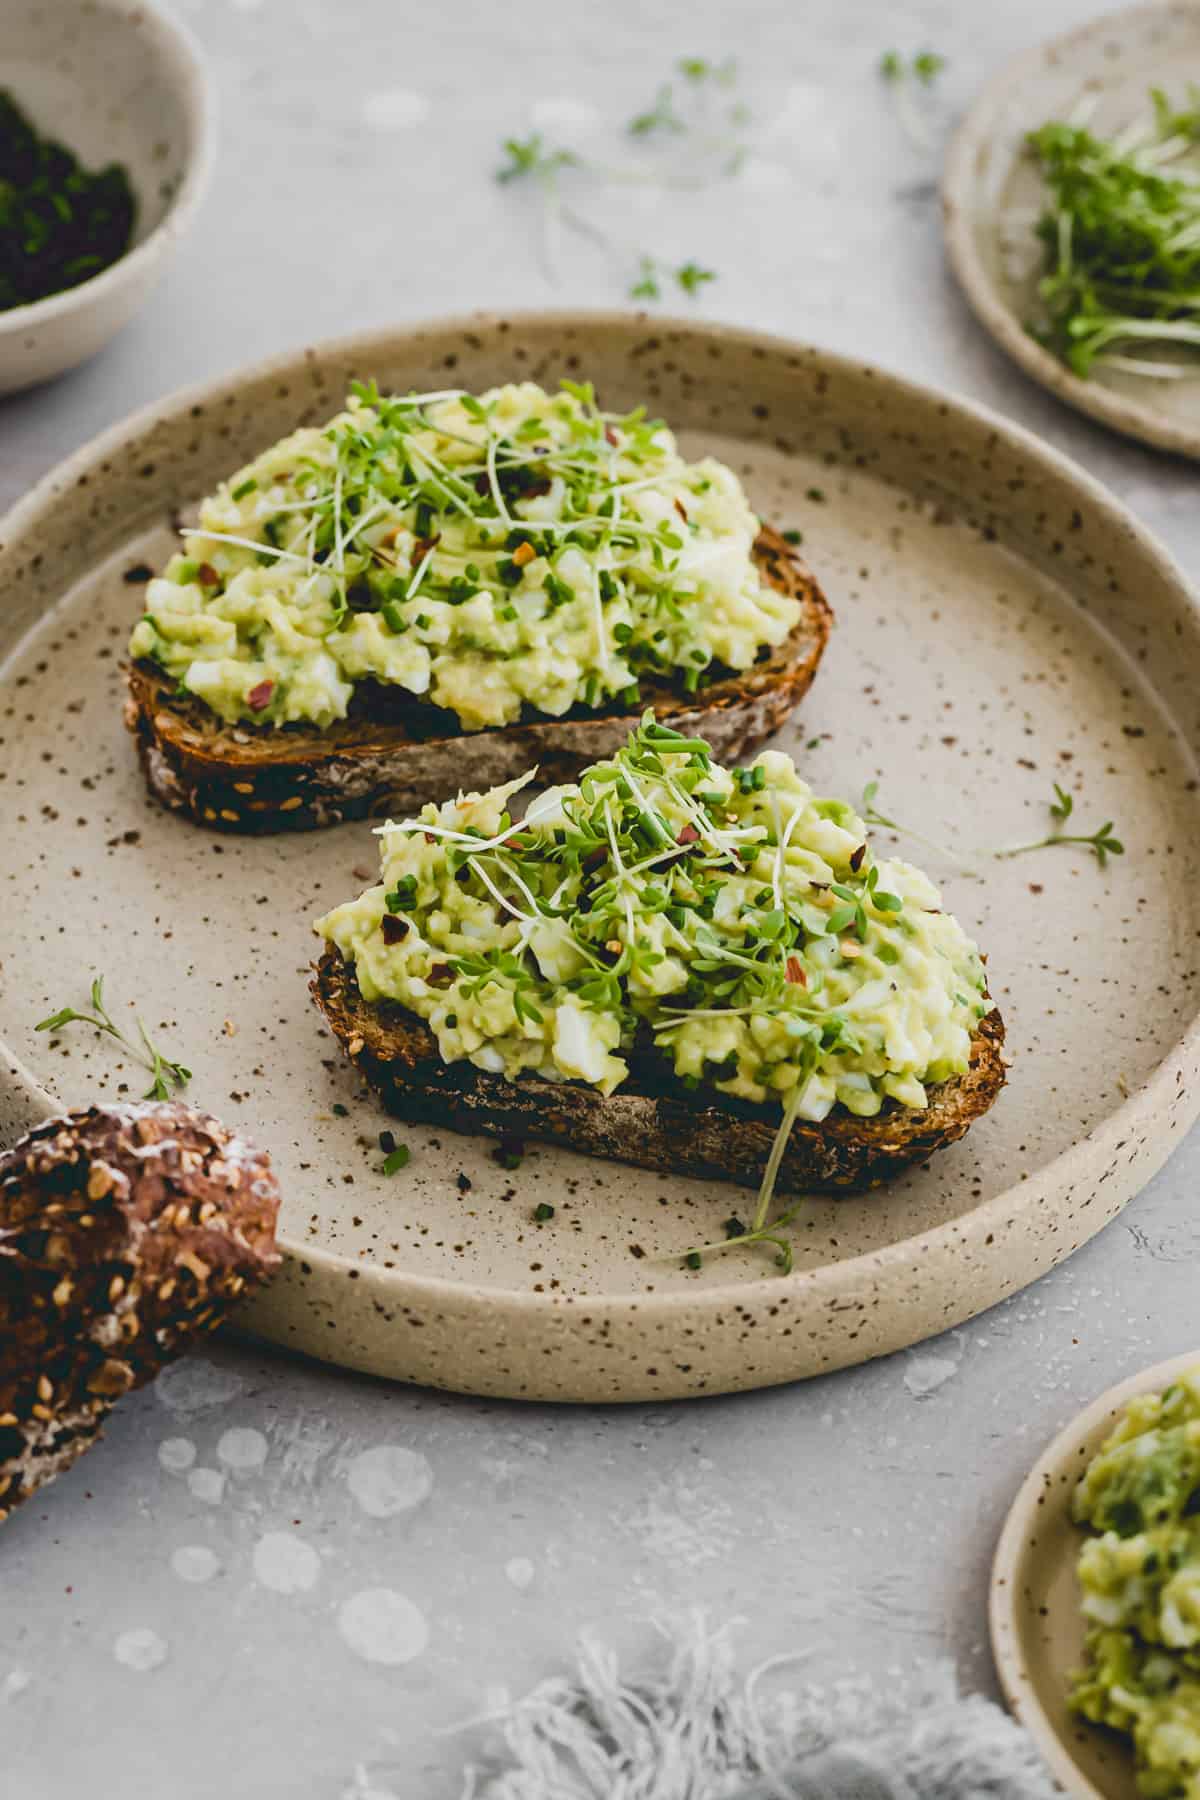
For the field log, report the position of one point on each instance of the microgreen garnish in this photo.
(691, 277)
(901, 75)
(396, 1159)
(700, 118)
(461, 524)
(1101, 842)
(543, 1211)
(718, 926)
(652, 274)
(166, 1074)
(662, 116)
(872, 815)
(1120, 239)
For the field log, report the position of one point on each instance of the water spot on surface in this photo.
(284, 1563)
(388, 1479)
(557, 112)
(925, 1374)
(520, 1571)
(177, 1455)
(680, 1523)
(14, 1683)
(383, 1626)
(195, 1563)
(195, 1384)
(140, 1649)
(394, 109)
(242, 1449)
(207, 1485)
(765, 176)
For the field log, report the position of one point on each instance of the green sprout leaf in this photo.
(1120, 237)
(166, 1074)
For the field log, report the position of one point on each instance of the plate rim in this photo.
(1003, 1585)
(971, 136)
(1146, 1108)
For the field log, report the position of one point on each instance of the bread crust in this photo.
(392, 756)
(652, 1122)
(125, 1233)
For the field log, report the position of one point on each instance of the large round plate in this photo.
(991, 194)
(1036, 1624)
(1002, 623)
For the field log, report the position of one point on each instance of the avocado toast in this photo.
(444, 587)
(671, 964)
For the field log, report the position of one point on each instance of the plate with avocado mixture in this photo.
(607, 1060)
(1099, 211)
(1094, 1616)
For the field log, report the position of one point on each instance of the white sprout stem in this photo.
(494, 481)
(419, 573)
(622, 872)
(781, 850)
(500, 898)
(259, 544)
(515, 877)
(766, 1192)
(339, 551)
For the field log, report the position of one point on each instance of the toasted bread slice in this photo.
(652, 1120)
(394, 753)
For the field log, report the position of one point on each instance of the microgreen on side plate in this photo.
(1120, 237)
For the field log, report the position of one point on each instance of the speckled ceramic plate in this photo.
(1036, 1625)
(1003, 623)
(991, 195)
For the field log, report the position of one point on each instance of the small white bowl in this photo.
(115, 82)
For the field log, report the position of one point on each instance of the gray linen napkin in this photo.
(692, 1730)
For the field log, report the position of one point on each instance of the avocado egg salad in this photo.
(519, 549)
(1139, 1578)
(724, 928)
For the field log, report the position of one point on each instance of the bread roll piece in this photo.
(125, 1233)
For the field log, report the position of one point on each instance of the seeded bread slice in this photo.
(652, 1120)
(394, 753)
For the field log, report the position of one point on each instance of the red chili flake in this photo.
(208, 575)
(795, 972)
(610, 436)
(688, 835)
(260, 696)
(681, 509)
(595, 857)
(856, 858)
(422, 547)
(429, 837)
(394, 930)
(440, 975)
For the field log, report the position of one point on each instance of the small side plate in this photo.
(1036, 1624)
(990, 187)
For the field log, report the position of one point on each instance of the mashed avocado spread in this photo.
(1140, 1584)
(725, 926)
(519, 549)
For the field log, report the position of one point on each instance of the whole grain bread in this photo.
(394, 753)
(125, 1233)
(652, 1120)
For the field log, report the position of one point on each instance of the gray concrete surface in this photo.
(855, 1515)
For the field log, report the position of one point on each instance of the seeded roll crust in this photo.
(394, 753)
(652, 1120)
(125, 1232)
